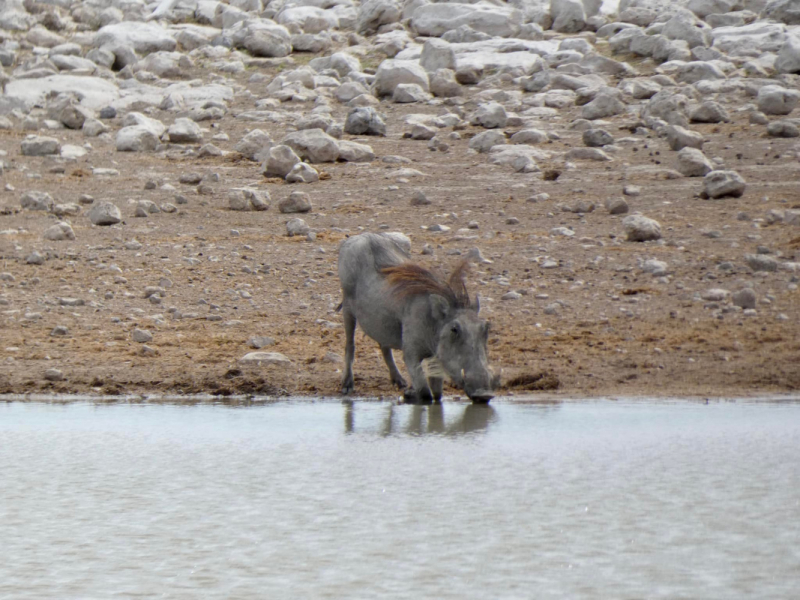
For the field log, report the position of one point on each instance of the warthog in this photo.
(403, 306)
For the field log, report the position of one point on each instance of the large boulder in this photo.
(748, 40)
(33, 200)
(437, 54)
(434, 20)
(364, 120)
(314, 145)
(392, 72)
(185, 131)
(104, 213)
(785, 11)
(374, 13)
(279, 161)
(35, 145)
(255, 145)
(262, 37)
(165, 64)
(144, 38)
(569, 16)
(310, 19)
(788, 60)
(718, 184)
(777, 100)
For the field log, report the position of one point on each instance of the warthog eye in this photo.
(455, 329)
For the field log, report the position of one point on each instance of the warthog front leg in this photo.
(419, 390)
(349, 349)
(394, 373)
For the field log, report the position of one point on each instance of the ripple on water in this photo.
(322, 499)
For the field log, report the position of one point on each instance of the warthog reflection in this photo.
(423, 419)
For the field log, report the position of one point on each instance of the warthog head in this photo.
(462, 352)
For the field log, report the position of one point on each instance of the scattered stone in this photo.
(489, 115)
(595, 138)
(419, 199)
(693, 163)
(35, 258)
(260, 341)
(279, 161)
(632, 190)
(59, 232)
(104, 213)
(297, 202)
(783, 129)
(718, 184)
(761, 262)
(302, 173)
(59, 331)
(777, 100)
(53, 375)
(616, 206)
(744, 298)
(255, 145)
(265, 359)
(297, 227)
(141, 336)
(639, 228)
(40, 146)
(679, 138)
(365, 121)
(37, 201)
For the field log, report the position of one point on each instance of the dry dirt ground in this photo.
(617, 330)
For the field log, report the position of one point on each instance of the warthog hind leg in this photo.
(349, 350)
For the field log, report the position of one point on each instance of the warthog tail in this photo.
(338, 308)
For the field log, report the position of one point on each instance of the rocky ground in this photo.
(177, 177)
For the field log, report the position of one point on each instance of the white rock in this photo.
(313, 144)
(262, 37)
(136, 138)
(33, 200)
(443, 84)
(365, 121)
(678, 137)
(144, 38)
(265, 358)
(302, 173)
(165, 64)
(639, 228)
(392, 72)
(104, 213)
(489, 115)
(604, 105)
(297, 227)
(777, 100)
(693, 163)
(141, 336)
(695, 71)
(407, 93)
(59, 232)
(355, 152)
(749, 40)
(374, 13)
(785, 11)
(433, 20)
(718, 184)
(485, 141)
(310, 19)
(437, 54)
(40, 146)
(185, 131)
(255, 145)
(788, 60)
(280, 160)
(569, 16)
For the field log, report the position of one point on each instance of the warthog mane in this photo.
(409, 279)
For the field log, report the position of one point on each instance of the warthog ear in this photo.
(440, 307)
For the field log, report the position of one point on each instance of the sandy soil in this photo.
(617, 331)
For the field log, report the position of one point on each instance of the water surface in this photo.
(327, 500)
